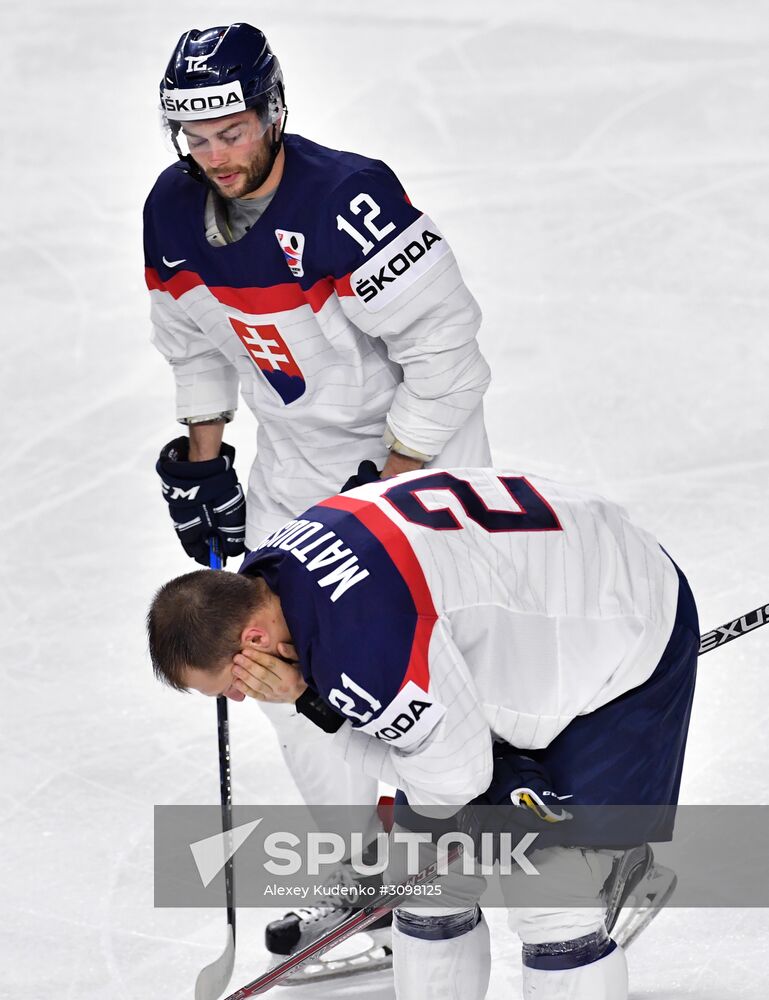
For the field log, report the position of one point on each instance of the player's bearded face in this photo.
(234, 152)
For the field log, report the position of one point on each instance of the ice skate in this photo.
(369, 951)
(636, 891)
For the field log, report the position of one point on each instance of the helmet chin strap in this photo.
(277, 141)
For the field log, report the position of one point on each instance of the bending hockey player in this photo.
(536, 627)
(304, 276)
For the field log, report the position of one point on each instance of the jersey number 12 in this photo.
(356, 206)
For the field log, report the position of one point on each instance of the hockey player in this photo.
(304, 276)
(459, 631)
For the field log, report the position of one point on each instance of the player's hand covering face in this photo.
(269, 677)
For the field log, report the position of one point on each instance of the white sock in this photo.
(441, 967)
(603, 979)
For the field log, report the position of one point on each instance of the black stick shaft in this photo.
(225, 768)
(734, 630)
(225, 791)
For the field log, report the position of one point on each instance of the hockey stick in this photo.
(733, 630)
(353, 925)
(213, 979)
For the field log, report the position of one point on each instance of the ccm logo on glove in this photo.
(177, 493)
(205, 500)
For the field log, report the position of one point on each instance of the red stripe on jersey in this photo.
(254, 301)
(343, 285)
(400, 551)
(319, 293)
(177, 285)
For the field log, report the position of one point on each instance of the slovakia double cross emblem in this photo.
(270, 353)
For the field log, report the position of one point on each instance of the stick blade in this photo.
(213, 980)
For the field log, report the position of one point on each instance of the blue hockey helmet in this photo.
(219, 71)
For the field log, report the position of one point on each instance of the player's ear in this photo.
(254, 635)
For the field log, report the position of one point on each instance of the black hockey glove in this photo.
(367, 473)
(205, 500)
(519, 800)
(526, 784)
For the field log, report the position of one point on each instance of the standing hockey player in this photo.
(304, 277)
(548, 642)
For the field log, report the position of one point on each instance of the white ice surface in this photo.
(601, 171)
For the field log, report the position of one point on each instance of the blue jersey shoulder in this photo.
(364, 206)
(345, 205)
(325, 167)
(352, 614)
(175, 196)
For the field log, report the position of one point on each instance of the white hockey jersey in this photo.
(440, 610)
(341, 310)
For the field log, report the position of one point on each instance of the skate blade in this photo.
(633, 869)
(377, 957)
(657, 893)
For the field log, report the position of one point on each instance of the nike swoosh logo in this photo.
(174, 263)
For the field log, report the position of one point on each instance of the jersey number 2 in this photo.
(534, 512)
